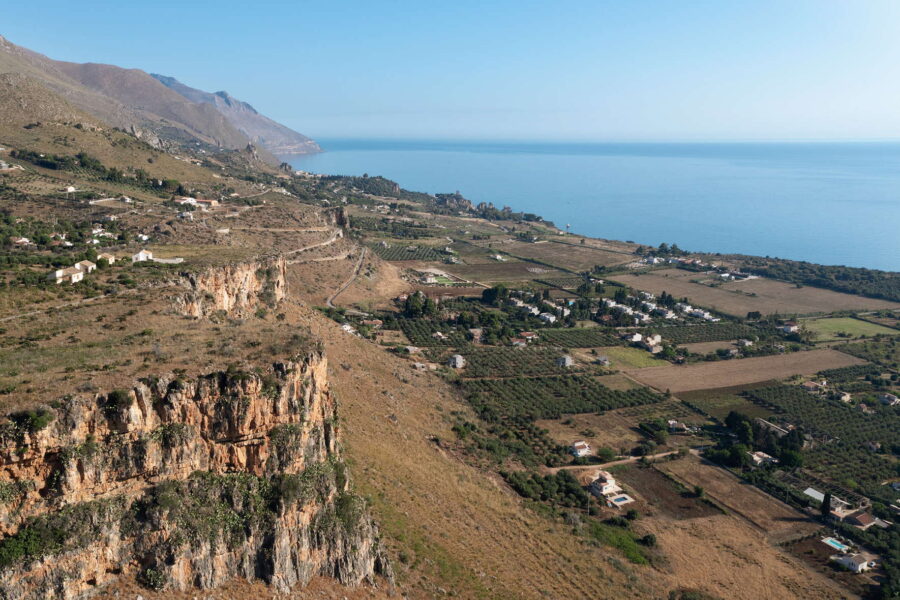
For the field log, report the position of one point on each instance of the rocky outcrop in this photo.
(235, 289)
(184, 482)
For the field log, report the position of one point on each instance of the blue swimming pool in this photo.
(836, 544)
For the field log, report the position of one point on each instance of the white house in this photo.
(109, 258)
(565, 361)
(142, 256)
(888, 399)
(744, 343)
(761, 459)
(547, 317)
(86, 266)
(633, 337)
(604, 485)
(70, 275)
(580, 449)
(790, 327)
(857, 563)
(457, 361)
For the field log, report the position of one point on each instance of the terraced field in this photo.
(683, 378)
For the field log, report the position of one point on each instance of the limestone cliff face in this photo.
(184, 482)
(235, 289)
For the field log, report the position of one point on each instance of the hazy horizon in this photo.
(808, 70)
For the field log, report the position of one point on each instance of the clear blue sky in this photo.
(596, 70)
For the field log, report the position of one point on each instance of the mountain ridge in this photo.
(269, 134)
(134, 100)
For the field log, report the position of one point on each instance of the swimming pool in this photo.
(836, 544)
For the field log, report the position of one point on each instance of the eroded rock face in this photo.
(234, 289)
(184, 482)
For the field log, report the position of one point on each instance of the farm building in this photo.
(857, 563)
(861, 519)
(69, 275)
(86, 266)
(457, 361)
(789, 327)
(142, 256)
(109, 258)
(547, 317)
(888, 399)
(518, 342)
(761, 459)
(565, 361)
(603, 361)
(580, 449)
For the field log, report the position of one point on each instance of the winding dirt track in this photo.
(356, 269)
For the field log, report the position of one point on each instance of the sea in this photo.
(827, 203)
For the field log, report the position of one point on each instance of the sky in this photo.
(642, 70)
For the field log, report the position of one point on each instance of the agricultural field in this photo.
(842, 431)
(566, 283)
(766, 296)
(718, 402)
(512, 362)
(683, 378)
(776, 519)
(397, 252)
(420, 332)
(667, 409)
(836, 328)
(884, 351)
(707, 347)
(498, 272)
(705, 332)
(605, 430)
(624, 357)
(659, 494)
(550, 397)
(565, 255)
(586, 337)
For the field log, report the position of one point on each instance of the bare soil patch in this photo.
(773, 518)
(707, 347)
(661, 495)
(769, 296)
(726, 557)
(682, 378)
(566, 255)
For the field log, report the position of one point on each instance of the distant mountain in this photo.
(274, 137)
(133, 100)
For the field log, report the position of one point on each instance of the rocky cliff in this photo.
(235, 288)
(183, 482)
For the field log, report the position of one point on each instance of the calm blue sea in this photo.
(830, 203)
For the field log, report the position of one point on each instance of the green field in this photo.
(630, 358)
(717, 403)
(845, 328)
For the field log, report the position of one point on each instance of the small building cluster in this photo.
(72, 274)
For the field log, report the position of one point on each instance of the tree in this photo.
(791, 459)
(825, 508)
